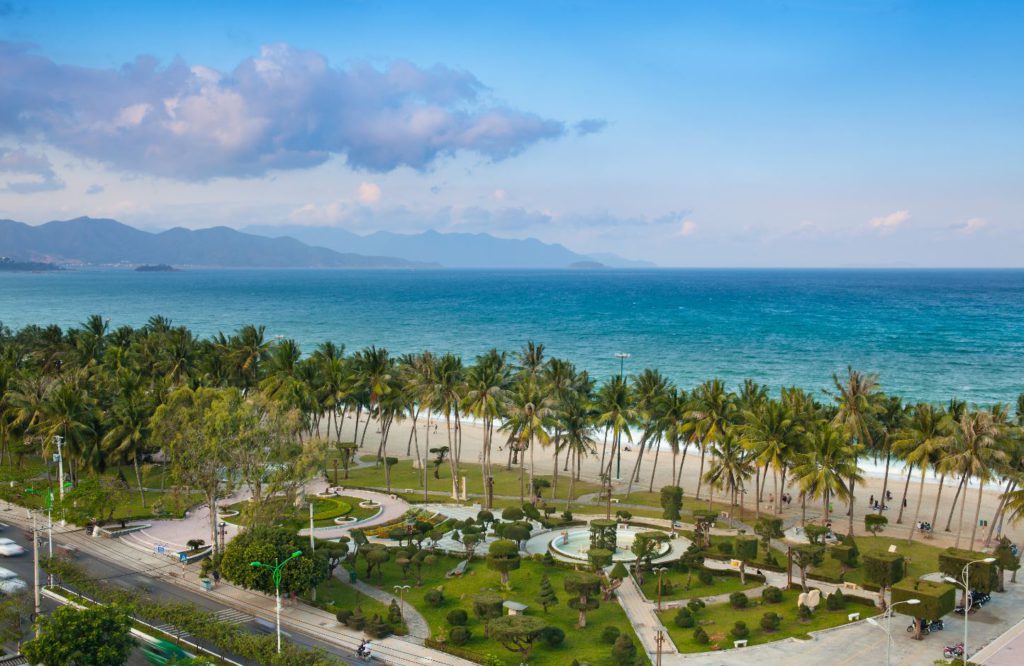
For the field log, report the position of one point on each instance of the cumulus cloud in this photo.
(369, 193)
(283, 109)
(891, 222)
(29, 173)
(590, 126)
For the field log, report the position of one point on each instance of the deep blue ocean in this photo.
(930, 334)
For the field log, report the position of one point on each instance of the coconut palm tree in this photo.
(856, 398)
(891, 414)
(673, 410)
(529, 415)
(711, 409)
(617, 412)
(449, 387)
(772, 436)
(649, 389)
(924, 436)
(827, 467)
(576, 418)
(128, 427)
(731, 465)
(976, 453)
(486, 385)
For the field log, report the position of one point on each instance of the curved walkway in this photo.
(414, 621)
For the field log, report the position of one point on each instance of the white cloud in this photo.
(972, 226)
(369, 193)
(891, 222)
(688, 228)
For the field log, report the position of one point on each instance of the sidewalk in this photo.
(295, 616)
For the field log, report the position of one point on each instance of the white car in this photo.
(10, 583)
(8, 548)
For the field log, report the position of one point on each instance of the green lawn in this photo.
(581, 644)
(332, 595)
(921, 558)
(718, 619)
(404, 476)
(674, 586)
(327, 509)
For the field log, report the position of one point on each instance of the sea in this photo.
(930, 335)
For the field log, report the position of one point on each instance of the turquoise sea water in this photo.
(930, 334)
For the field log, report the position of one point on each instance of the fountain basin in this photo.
(575, 544)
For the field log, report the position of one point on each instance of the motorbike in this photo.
(927, 627)
(951, 651)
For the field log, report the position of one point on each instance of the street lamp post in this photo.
(622, 356)
(223, 537)
(966, 584)
(660, 571)
(276, 571)
(888, 625)
(400, 589)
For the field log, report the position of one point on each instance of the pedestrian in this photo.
(871, 501)
(904, 502)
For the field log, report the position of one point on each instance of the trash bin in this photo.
(352, 576)
(206, 584)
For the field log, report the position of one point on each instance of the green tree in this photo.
(503, 557)
(671, 504)
(805, 557)
(517, 633)
(269, 545)
(583, 587)
(96, 636)
(546, 597)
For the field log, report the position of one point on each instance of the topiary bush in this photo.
(835, 601)
(804, 612)
(739, 630)
(552, 636)
(705, 577)
(457, 617)
(695, 605)
(771, 594)
(770, 621)
(725, 547)
(738, 600)
(700, 636)
(609, 634)
(624, 652)
(357, 620)
(434, 598)
(378, 628)
(459, 635)
(343, 615)
(684, 618)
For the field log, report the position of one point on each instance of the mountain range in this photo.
(452, 250)
(106, 242)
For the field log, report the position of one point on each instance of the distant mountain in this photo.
(453, 250)
(92, 241)
(615, 261)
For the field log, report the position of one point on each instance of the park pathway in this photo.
(414, 621)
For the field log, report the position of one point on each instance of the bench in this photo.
(740, 643)
(853, 617)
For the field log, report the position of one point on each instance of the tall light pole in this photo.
(276, 571)
(966, 584)
(400, 589)
(888, 625)
(622, 356)
(660, 571)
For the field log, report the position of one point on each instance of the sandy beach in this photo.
(472, 445)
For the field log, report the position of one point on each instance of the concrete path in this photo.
(414, 621)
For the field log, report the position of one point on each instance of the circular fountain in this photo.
(574, 544)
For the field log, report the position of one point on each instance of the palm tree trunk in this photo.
(782, 489)
(764, 477)
(803, 509)
(903, 500)
(654, 465)
(850, 528)
(757, 492)
(885, 486)
(426, 453)
(634, 475)
(960, 528)
(917, 507)
(977, 513)
(997, 517)
(138, 477)
(700, 473)
(682, 463)
(949, 521)
(533, 485)
(554, 474)
(572, 483)
(355, 432)
(604, 446)
(935, 513)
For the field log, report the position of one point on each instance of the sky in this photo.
(688, 133)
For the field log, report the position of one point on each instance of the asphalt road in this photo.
(164, 591)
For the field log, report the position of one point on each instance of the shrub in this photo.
(835, 601)
(567, 516)
(705, 577)
(609, 634)
(804, 612)
(457, 617)
(739, 630)
(772, 594)
(552, 636)
(684, 618)
(738, 600)
(512, 514)
(459, 635)
(770, 621)
(487, 606)
(624, 652)
(357, 620)
(700, 636)
(695, 605)
(725, 547)
(434, 598)
(394, 613)
(378, 628)
(343, 615)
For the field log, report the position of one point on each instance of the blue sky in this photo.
(690, 133)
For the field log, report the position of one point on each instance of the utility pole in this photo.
(35, 570)
(659, 639)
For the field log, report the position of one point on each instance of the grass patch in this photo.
(583, 645)
(674, 586)
(332, 595)
(325, 510)
(921, 558)
(718, 619)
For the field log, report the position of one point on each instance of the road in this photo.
(115, 574)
